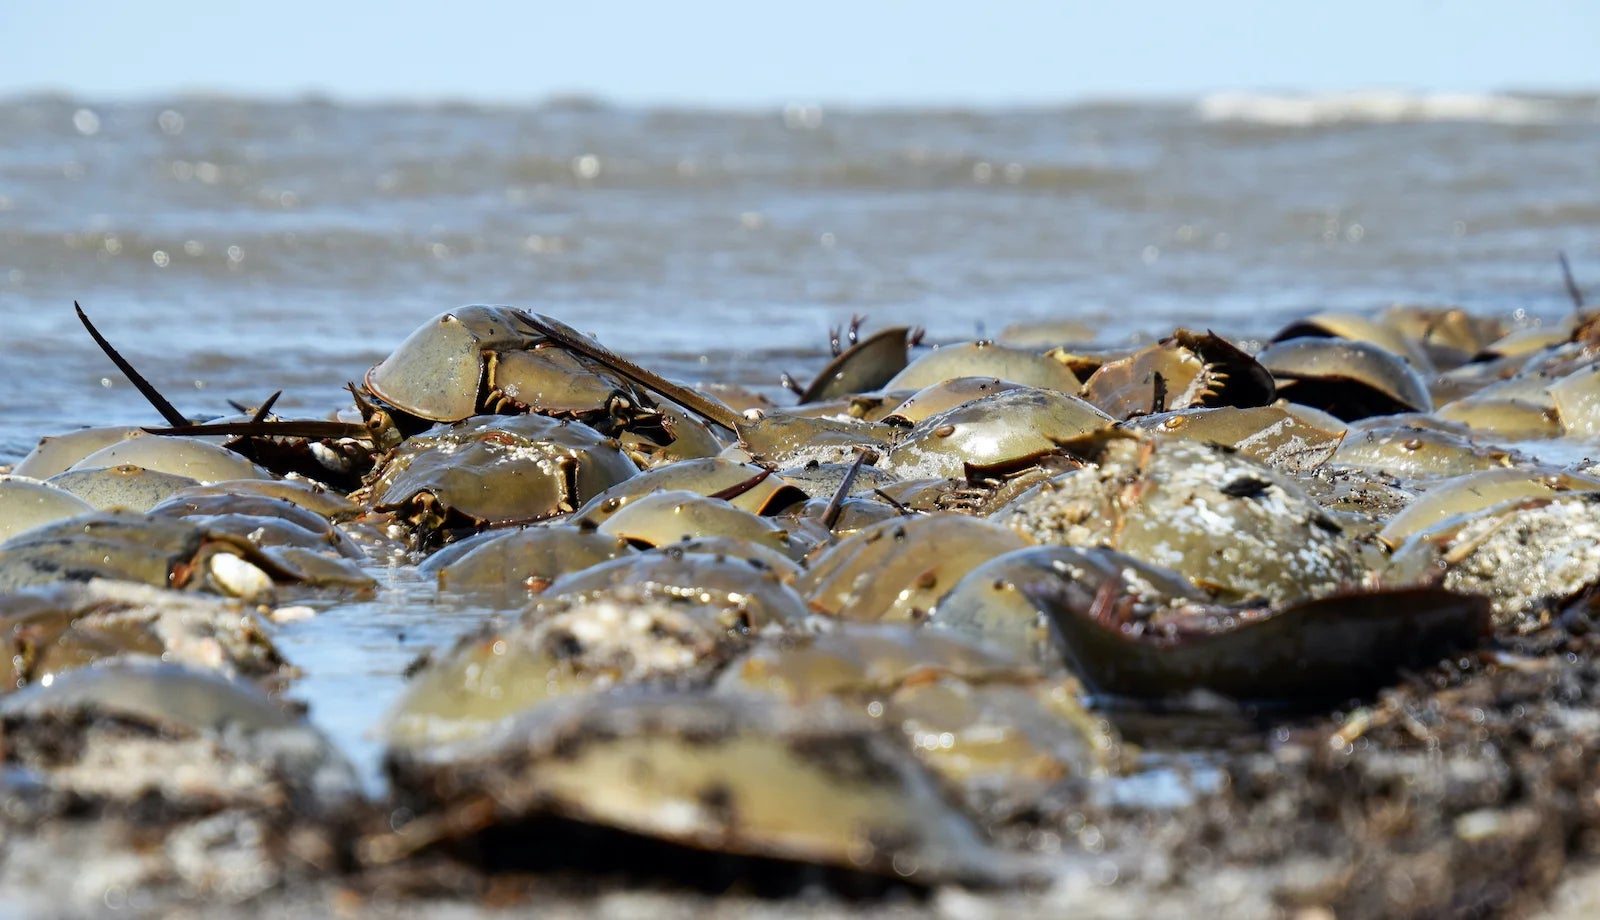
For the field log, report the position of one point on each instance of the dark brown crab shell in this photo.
(1351, 380)
(1358, 328)
(1184, 370)
(866, 365)
(1329, 648)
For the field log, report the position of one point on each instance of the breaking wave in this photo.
(1395, 106)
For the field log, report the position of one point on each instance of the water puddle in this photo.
(353, 657)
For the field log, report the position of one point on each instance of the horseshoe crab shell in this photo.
(986, 359)
(1229, 524)
(437, 372)
(991, 603)
(26, 502)
(1328, 648)
(510, 565)
(191, 457)
(497, 470)
(1008, 429)
(729, 775)
(898, 569)
(1183, 371)
(866, 365)
(568, 645)
(743, 485)
(194, 741)
(946, 395)
(64, 626)
(1527, 556)
(1358, 328)
(1351, 380)
(1271, 434)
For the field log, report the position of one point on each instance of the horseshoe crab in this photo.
(495, 470)
(663, 618)
(701, 773)
(989, 603)
(1005, 431)
(121, 488)
(986, 359)
(1229, 524)
(569, 645)
(749, 594)
(1417, 454)
(513, 564)
(1182, 371)
(313, 497)
(822, 480)
(777, 439)
(178, 456)
(977, 719)
(162, 552)
(1351, 380)
(944, 396)
(866, 365)
(1475, 492)
(743, 485)
(60, 627)
(1449, 335)
(1327, 648)
(664, 518)
(483, 359)
(864, 660)
(1381, 332)
(57, 453)
(119, 735)
(295, 537)
(27, 503)
(1527, 556)
(1271, 434)
(899, 569)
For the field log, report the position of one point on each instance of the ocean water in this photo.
(233, 247)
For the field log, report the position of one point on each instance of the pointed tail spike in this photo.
(572, 340)
(145, 388)
(1573, 291)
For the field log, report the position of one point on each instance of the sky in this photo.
(824, 51)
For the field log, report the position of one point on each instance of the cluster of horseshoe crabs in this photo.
(980, 615)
